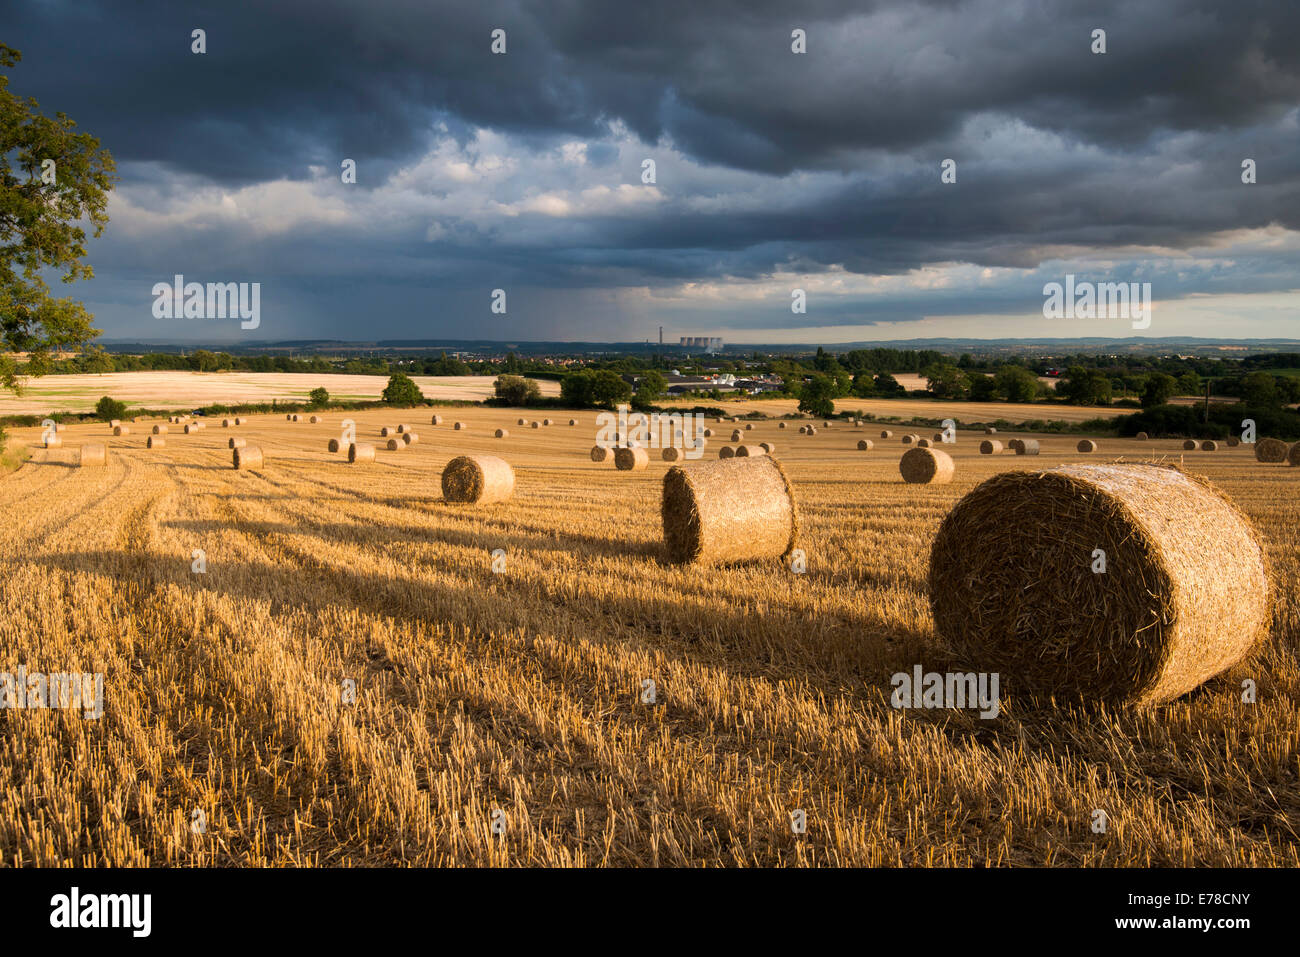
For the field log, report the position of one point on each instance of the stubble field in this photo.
(516, 696)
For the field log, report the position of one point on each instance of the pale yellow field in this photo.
(186, 390)
(520, 691)
(920, 408)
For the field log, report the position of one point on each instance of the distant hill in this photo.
(1135, 345)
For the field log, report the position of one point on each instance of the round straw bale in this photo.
(227, 423)
(297, 418)
(1086, 445)
(1209, 445)
(780, 425)
(767, 447)
(334, 445)
(155, 442)
(436, 420)
(239, 421)
(812, 430)
(749, 451)
(53, 442)
(410, 438)
(1271, 450)
(909, 439)
(708, 433)
(938, 437)
(93, 455)
(803, 430)
(361, 452)
(573, 422)
(502, 434)
(886, 434)
(726, 452)
(1184, 595)
(248, 457)
(160, 430)
(1143, 437)
(749, 426)
(478, 480)
(631, 459)
(521, 422)
(671, 454)
(826, 425)
(926, 466)
(735, 435)
(315, 420)
(864, 445)
(402, 427)
(990, 447)
(1189, 445)
(237, 443)
(1027, 447)
(460, 426)
(601, 454)
(990, 431)
(122, 430)
(395, 444)
(1293, 455)
(1014, 445)
(191, 428)
(1233, 441)
(385, 432)
(535, 424)
(548, 422)
(722, 512)
(922, 443)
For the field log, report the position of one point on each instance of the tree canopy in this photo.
(53, 180)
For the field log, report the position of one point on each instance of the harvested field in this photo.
(521, 690)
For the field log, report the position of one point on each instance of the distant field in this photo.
(175, 390)
(922, 408)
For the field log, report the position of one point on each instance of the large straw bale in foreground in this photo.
(248, 457)
(741, 509)
(1271, 450)
(478, 480)
(631, 459)
(926, 466)
(93, 455)
(1183, 597)
(361, 452)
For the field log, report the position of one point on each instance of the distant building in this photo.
(703, 343)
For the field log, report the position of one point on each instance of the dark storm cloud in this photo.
(286, 84)
(1057, 148)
